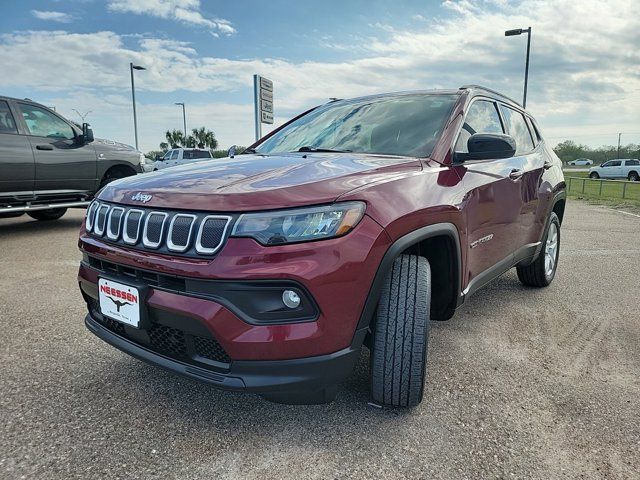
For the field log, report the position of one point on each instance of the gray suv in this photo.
(49, 164)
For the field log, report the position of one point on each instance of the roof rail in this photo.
(480, 87)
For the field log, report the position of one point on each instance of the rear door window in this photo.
(482, 117)
(629, 163)
(7, 123)
(42, 123)
(517, 128)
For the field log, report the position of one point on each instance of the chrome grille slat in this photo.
(133, 218)
(114, 233)
(154, 229)
(91, 213)
(101, 219)
(167, 232)
(210, 245)
(174, 237)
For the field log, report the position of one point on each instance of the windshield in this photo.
(406, 125)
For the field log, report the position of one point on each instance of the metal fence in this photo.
(592, 187)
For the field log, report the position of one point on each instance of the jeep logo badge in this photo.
(141, 197)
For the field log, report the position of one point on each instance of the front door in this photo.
(611, 169)
(493, 201)
(63, 163)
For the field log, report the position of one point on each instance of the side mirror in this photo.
(231, 153)
(487, 146)
(158, 158)
(87, 133)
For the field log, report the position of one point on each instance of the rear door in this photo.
(63, 164)
(17, 166)
(531, 158)
(493, 201)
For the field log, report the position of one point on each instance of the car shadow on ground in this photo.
(25, 225)
(156, 388)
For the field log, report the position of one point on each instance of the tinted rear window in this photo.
(191, 154)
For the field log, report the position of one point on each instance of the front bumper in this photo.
(277, 377)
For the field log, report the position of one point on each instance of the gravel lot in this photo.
(522, 383)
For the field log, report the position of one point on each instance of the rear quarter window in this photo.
(7, 123)
(518, 129)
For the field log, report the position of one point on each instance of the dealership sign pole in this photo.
(263, 103)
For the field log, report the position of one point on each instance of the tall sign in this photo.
(263, 102)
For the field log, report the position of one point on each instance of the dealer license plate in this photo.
(119, 302)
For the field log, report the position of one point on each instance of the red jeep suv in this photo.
(356, 223)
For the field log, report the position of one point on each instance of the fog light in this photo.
(291, 299)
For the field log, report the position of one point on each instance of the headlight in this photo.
(143, 160)
(300, 224)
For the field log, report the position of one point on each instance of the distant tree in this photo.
(204, 138)
(175, 138)
(164, 146)
(153, 154)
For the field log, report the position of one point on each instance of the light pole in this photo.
(520, 31)
(184, 118)
(82, 116)
(133, 67)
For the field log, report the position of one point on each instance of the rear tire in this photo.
(594, 175)
(633, 177)
(542, 271)
(400, 334)
(47, 215)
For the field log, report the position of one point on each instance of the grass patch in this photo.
(612, 190)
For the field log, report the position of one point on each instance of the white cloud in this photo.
(584, 78)
(52, 16)
(185, 11)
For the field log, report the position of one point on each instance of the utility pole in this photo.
(619, 135)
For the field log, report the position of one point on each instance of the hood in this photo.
(101, 143)
(258, 182)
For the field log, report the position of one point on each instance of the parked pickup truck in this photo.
(353, 225)
(618, 168)
(49, 164)
(181, 156)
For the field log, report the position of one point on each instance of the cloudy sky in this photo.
(74, 54)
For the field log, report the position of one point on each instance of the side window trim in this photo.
(479, 98)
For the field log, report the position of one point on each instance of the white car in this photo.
(628, 168)
(581, 161)
(181, 156)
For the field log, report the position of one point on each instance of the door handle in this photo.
(516, 174)
(45, 146)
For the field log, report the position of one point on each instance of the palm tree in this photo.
(205, 138)
(164, 146)
(175, 138)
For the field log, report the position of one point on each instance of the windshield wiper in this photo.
(314, 149)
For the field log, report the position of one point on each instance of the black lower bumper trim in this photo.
(257, 376)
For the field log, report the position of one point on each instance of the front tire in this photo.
(400, 334)
(594, 175)
(542, 271)
(47, 215)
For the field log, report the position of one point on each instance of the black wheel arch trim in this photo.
(393, 252)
